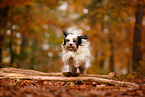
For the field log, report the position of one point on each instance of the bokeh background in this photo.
(31, 33)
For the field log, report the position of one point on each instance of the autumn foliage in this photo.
(31, 33)
(19, 88)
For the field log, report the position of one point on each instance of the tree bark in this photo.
(137, 54)
(3, 22)
(69, 79)
(22, 54)
(1, 47)
(11, 48)
(110, 36)
(75, 79)
(32, 62)
(112, 53)
(14, 73)
(24, 40)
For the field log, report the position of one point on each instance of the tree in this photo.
(137, 53)
(39, 23)
(3, 19)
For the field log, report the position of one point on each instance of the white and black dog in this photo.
(75, 52)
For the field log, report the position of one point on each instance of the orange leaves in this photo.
(9, 3)
(98, 18)
(50, 3)
(21, 88)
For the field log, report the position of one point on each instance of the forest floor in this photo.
(29, 88)
(42, 88)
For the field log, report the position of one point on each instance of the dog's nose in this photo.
(70, 44)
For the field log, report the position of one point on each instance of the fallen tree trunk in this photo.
(25, 72)
(74, 79)
(5, 73)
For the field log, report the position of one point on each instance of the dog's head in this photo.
(72, 42)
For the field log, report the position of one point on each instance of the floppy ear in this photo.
(65, 33)
(80, 38)
(83, 37)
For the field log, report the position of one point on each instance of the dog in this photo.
(75, 52)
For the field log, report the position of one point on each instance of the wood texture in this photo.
(14, 73)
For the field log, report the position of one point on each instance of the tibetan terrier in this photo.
(75, 52)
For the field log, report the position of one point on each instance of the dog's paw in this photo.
(75, 74)
(67, 74)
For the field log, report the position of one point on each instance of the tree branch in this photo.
(14, 73)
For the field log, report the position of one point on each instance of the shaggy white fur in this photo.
(79, 57)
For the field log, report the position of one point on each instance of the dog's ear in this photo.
(80, 39)
(83, 37)
(65, 33)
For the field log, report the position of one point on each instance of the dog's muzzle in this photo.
(71, 47)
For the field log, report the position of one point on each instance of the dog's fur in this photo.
(75, 52)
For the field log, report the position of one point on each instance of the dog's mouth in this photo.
(71, 48)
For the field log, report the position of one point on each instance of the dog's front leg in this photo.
(82, 69)
(72, 69)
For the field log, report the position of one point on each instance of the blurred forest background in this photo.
(31, 33)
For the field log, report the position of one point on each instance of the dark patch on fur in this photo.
(84, 37)
(64, 42)
(79, 39)
(65, 33)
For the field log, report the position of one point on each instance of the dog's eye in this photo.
(67, 40)
(74, 41)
